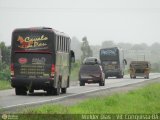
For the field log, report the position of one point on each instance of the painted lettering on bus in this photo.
(29, 42)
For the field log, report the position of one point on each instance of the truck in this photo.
(139, 68)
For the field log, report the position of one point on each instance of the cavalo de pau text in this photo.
(34, 39)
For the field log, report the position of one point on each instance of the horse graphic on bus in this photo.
(23, 43)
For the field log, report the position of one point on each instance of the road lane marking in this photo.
(112, 85)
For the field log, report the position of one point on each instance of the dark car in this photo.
(91, 72)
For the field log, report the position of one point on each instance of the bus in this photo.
(40, 60)
(113, 62)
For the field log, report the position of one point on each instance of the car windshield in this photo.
(90, 68)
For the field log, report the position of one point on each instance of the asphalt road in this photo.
(9, 100)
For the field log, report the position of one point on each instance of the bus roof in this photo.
(42, 29)
(110, 48)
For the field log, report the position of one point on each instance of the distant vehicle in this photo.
(40, 59)
(91, 72)
(140, 68)
(113, 62)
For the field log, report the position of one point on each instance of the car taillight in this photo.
(12, 69)
(52, 70)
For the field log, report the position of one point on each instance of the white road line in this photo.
(123, 83)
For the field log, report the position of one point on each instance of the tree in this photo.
(124, 46)
(76, 47)
(142, 46)
(108, 44)
(85, 48)
(5, 53)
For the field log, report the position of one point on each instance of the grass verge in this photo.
(145, 101)
(4, 84)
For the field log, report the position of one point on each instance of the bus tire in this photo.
(57, 90)
(82, 83)
(50, 91)
(118, 76)
(20, 91)
(63, 90)
(31, 91)
(68, 81)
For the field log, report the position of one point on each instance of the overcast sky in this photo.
(133, 21)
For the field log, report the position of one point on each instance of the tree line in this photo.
(140, 51)
(84, 49)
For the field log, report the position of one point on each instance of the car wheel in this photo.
(101, 83)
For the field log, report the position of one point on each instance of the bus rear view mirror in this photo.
(72, 56)
(125, 61)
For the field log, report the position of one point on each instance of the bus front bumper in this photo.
(112, 73)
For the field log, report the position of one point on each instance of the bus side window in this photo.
(56, 44)
(66, 45)
(63, 44)
(60, 43)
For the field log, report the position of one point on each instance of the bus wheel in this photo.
(63, 90)
(57, 90)
(20, 91)
(50, 91)
(31, 91)
(68, 82)
(82, 83)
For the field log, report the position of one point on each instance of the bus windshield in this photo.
(109, 54)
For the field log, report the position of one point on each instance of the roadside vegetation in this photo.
(141, 101)
(5, 85)
(4, 76)
(74, 70)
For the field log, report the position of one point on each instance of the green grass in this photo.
(4, 84)
(75, 70)
(145, 100)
